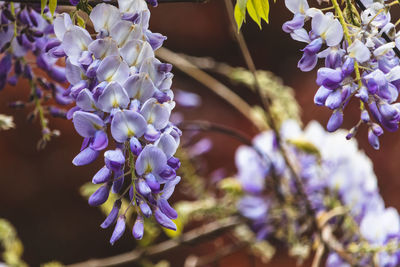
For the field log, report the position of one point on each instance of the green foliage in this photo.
(257, 9)
(43, 4)
(351, 14)
(305, 146)
(52, 7)
(11, 244)
(80, 21)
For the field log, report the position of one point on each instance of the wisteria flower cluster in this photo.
(337, 169)
(24, 30)
(25, 34)
(361, 60)
(122, 90)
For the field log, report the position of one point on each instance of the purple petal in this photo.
(87, 124)
(85, 100)
(118, 230)
(138, 228)
(167, 173)
(151, 159)
(167, 209)
(169, 187)
(102, 176)
(335, 121)
(163, 220)
(144, 207)
(114, 159)
(100, 141)
(143, 188)
(135, 145)
(373, 139)
(85, 157)
(100, 196)
(152, 182)
(112, 216)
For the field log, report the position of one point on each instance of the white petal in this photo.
(135, 51)
(104, 16)
(62, 23)
(113, 96)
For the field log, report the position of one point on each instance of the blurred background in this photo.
(39, 190)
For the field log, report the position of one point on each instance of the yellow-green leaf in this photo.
(80, 21)
(43, 4)
(52, 6)
(242, 6)
(305, 146)
(258, 10)
(240, 12)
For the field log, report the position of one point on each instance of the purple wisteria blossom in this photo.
(337, 170)
(25, 33)
(123, 104)
(361, 63)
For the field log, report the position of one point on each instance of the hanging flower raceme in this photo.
(25, 35)
(335, 174)
(359, 62)
(23, 30)
(123, 99)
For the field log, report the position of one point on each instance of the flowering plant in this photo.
(310, 190)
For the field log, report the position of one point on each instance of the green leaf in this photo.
(43, 4)
(240, 12)
(52, 6)
(258, 10)
(12, 9)
(80, 21)
(242, 6)
(239, 17)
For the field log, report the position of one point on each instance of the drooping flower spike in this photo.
(335, 175)
(123, 104)
(359, 61)
(24, 32)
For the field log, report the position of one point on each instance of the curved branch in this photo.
(192, 237)
(214, 127)
(207, 80)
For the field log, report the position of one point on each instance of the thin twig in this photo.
(318, 255)
(325, 233)
(207, 80)
(199, 125)
(266, 101)
(197, 261)
(189, 238)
